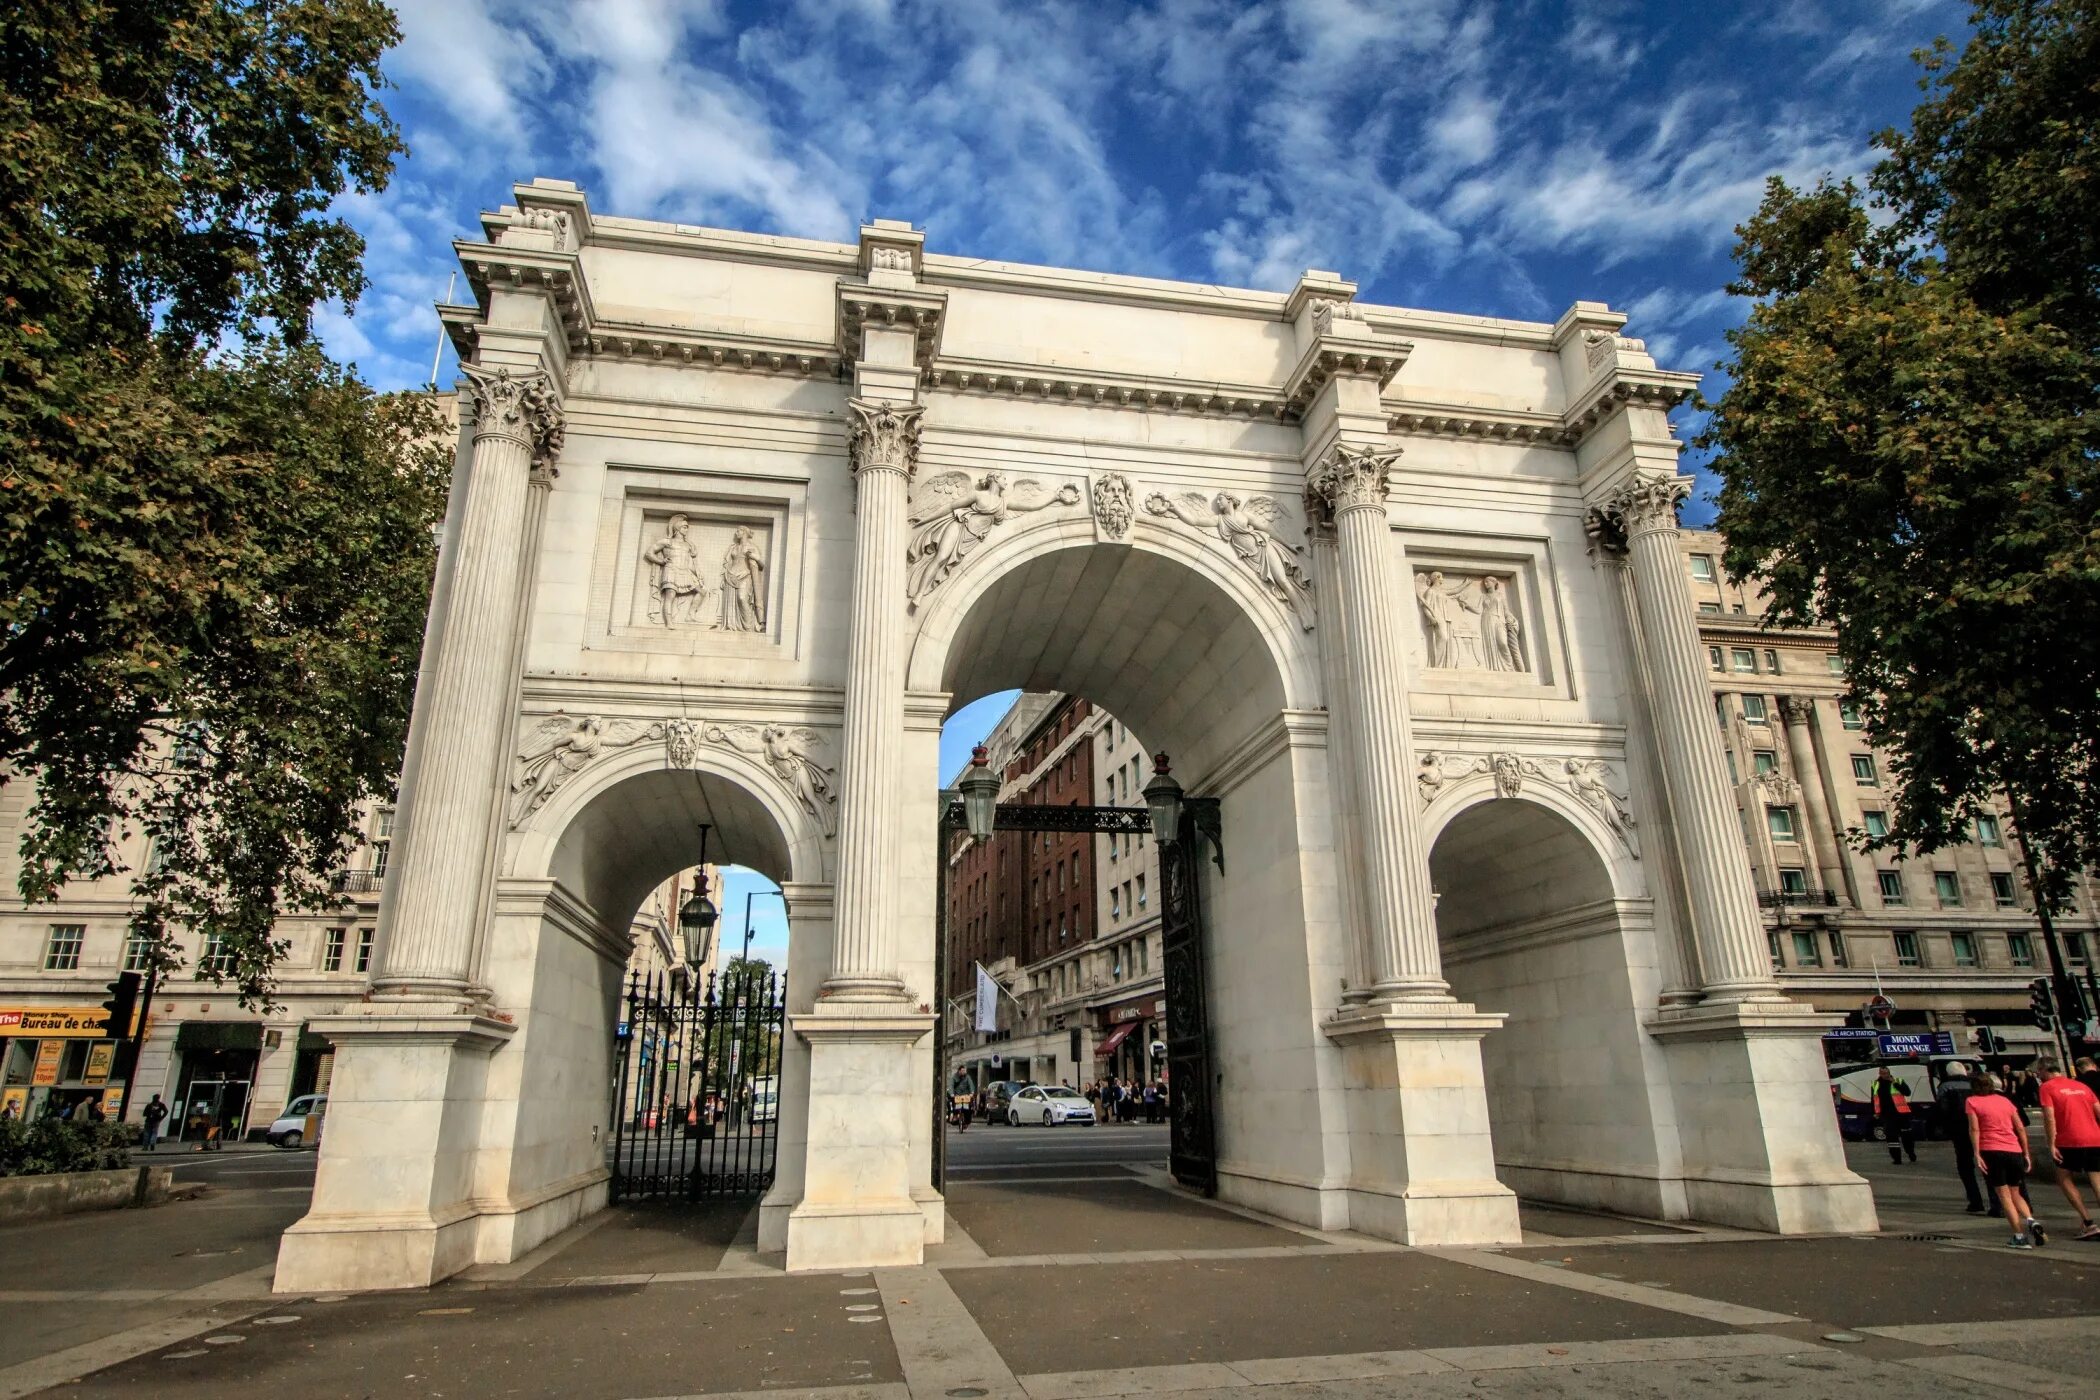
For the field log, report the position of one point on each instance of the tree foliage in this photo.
(215, 544)
(1908, 444)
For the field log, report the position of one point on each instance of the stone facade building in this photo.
(1951, 938)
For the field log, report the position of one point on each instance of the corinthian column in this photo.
(1399, 915)
(1799, 712)
(449, 826)
(1732, 950)
(885, 448)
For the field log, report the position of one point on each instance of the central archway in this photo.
(1184, 648)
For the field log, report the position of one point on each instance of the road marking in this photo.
(1954, 1334)
(939, 1345)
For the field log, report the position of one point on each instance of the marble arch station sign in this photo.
(737, 519)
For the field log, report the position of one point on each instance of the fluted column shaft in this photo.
(1799, 712)
(1399, 914)
(1733, 954)
(437, 900)
(864, 939)
(1335, 681)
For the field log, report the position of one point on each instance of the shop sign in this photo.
(48, 1054)
(100, 1057)
(52, 1020)
(1849, 1033)
(113, 1103)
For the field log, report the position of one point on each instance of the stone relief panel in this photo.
(1588, 780)
(557, 747)
(702, 571)
(1470, 621)
(1249, 528)
(687, 564)
(1114, 505)
(953, 513)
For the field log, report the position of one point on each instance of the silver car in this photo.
(290, 1128)
(1049, 1105)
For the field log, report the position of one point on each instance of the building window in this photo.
(1877, 821)
(1848, 715)
(1772, 661)
(1891, 886)
(2002, 889)
(1987, 833)
(138, 952)
(62, 949)
(364, 951)
(1772, 944)
(1115, 902)
(1780, 822)
(2074, 946)
(1948, 885)
(2020, 949)
(1112, 844)
(1907, 950)
(1742, 659)
(1713, 658)
(1837, 949)
(1703, 567)
(1806, 954)
(1754, 709)
(1709, 607)
(1141, 892)
(1735, 607)
(1792, 880)
(218, 958)
(1863, 770)
(1764, 761)
(1964, 945)
(332, 950)
(1835, 662)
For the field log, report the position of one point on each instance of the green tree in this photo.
(1908, 444)
(215, 544)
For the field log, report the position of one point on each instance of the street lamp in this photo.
(696, 919)
(980, 796)
(1163, 796)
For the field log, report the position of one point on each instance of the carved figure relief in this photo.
(787, 752)
(1245, 527)
(561, 746)
(519, 406)
(1114, 504)
(1469, 621)
(554, 221)
(1598, 345)
(690, 585)
(951, 516)
(1588, 780)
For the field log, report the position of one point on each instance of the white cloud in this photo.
(480, 65)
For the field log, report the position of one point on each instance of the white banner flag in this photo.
(987, 1001)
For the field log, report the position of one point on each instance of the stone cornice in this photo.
(559, 275)
(1659, 388)
(860, 305)
(1493, 425)
(720, 349)
(1329, 358)
(1108, 389)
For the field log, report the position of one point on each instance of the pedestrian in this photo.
(1953, 1096)
(151, 1117)
(91, 1111)
(2089, 1072)
(2071, 1125)
(1892, 1111)
(1093, 1098)
(2002, 1155)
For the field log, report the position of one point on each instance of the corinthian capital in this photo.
(1797, 709)
(1648, 501)
(1351, 478)
(885, 436)
(521, 407)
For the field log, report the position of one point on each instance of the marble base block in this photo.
(1422, 1165)
(858, 1208)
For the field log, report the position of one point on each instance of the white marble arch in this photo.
(1544, 918)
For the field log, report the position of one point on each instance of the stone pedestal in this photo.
(1422, 1168)
(393, 1202)
(1761, 1146)
(858, 1209)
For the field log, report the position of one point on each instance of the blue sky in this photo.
(1503, 158)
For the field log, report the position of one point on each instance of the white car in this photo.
(1049, 1105)
(290, 1128)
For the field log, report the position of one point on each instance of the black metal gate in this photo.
(1192, 1152)
(696, 1095)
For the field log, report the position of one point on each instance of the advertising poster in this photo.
(112, 1100)
(48, 1055)
(14, 1101)
(100, 1058)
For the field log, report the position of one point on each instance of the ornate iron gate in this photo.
(1193, 1152)
(696, 1096)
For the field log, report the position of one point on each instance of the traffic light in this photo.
(2041, 1004)
(122, 1005)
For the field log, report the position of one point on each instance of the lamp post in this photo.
(697, 917)
(980, 796)
(1163, 796)
(750, 895)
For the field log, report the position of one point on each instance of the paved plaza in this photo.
(1073, 1269)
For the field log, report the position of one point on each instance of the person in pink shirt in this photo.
(2001, 1151)
(2071, 1118)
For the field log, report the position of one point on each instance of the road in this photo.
(985, 1151)
(237, 1168)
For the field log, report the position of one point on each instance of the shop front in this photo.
(55, 1060)
(215, 1079)
(1128, 1032)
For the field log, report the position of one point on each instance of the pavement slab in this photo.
(1861, 1281)
(534, 1344)
(1106, 1316)
(1100, 1217)
(1536, 1218)
(648, 1238)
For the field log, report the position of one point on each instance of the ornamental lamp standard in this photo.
(980, 796)
(1163, 796)
(696, 919)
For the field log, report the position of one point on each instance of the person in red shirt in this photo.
(2071, 1118)
(2000, 1136)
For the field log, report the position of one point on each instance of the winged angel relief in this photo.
(561, 746)
(1248, 528)
(786, 751)
(951, 515)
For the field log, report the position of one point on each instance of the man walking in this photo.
(2071, 1124)
(1892, 1110)
(2001, 1152)
(1953, 1100)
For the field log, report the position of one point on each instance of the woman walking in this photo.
(2000, 1136)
